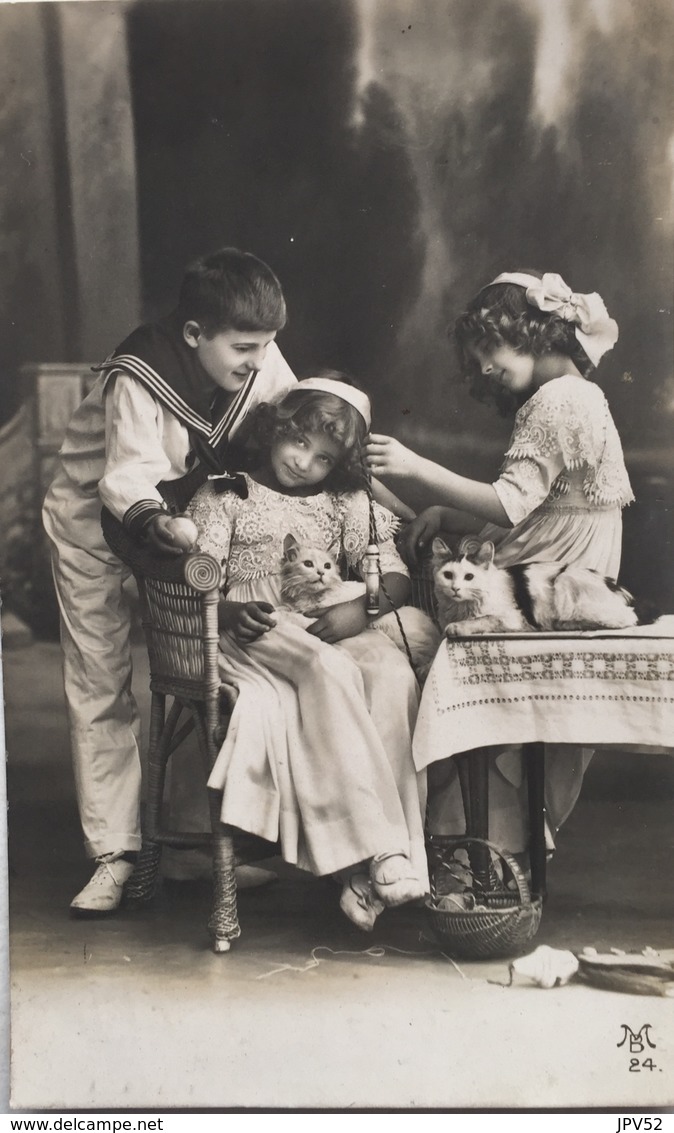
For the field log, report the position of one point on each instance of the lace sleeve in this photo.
(355, 517)
(213, 516)
(563, 426)
(524, 484)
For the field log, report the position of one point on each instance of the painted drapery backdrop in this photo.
(386, 157)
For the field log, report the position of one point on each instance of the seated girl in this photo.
(529, 343)
(318, 753)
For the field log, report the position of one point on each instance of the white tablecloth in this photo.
(608, 687)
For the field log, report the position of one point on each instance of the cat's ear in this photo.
(469, 546)
(334, 549)
(439, 547)
(485, 554)
(290, 548)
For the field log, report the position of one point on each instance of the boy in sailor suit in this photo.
(169, 400)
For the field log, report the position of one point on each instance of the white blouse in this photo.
(246, 536)
(564, 453)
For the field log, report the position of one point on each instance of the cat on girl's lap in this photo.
(311, 582)
(476, 597)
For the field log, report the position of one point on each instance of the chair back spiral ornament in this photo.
(202, 572)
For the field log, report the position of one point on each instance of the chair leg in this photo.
(534, 754)
(223, 924)
(143, 884)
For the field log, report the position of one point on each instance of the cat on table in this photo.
(311, 582)
(475, 597)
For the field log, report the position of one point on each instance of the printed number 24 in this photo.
(636, 1065)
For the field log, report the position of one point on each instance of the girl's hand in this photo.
(345, 620)
(246, 621)
(387, 457)
(418, 535)
(158, 536)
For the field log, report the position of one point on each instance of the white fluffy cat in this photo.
(310, 582)
(474, 596)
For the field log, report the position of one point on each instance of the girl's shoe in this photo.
(394, 879)
(360, 903)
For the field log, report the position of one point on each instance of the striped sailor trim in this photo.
(228, 424)
(137, 517)
(166, 394)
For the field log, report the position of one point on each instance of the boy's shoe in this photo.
(103, 894)
(394, 879)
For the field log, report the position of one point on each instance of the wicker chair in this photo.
(179, 609)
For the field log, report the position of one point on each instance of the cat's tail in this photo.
(646, 611)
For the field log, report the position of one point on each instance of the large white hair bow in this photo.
(595, 330)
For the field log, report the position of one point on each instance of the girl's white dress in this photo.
(563, 485)
(318, 752)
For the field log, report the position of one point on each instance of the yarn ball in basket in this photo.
(474, 917)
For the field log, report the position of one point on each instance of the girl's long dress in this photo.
(563, 485)
(318, 752)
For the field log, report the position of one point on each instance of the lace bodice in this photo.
(246, 536)
(564, 453)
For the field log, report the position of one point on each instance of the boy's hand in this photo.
(417, 536)
(159, 537)
(246, 621)
(345, 620)
(387, 457)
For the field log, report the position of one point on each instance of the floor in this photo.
(305, 1011)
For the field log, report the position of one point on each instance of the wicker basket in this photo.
(501, 921)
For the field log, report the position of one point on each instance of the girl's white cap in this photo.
(350, 394)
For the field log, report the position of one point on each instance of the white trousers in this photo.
(95, 636)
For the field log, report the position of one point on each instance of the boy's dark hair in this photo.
(313, 411)
(232, 290)
(500, 315)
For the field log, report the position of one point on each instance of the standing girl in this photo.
(530, 339)
(318, 753)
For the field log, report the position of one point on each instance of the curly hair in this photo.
(313, 411)
(500, 315)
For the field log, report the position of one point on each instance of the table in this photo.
(596, 688)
